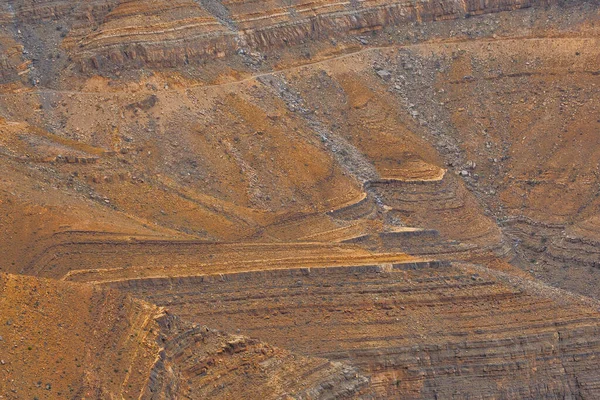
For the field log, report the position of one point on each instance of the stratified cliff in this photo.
(71, 340)
(418, 330)
(365, 199)
(104, 35)
(226, 27)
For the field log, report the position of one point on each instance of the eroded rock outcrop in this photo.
(419, 330)
(63, 339)
(71, 340)
(198, 362)
(347, 189)
(105, 34)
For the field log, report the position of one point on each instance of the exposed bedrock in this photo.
(199, 362)
(71, 340)
(299, 200)
(104, 34)
(125, 259)
(264, 27)
(566, 256)
(62, 339)
(531, 159)
(444, 209)
(418, 330)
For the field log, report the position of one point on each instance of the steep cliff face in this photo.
(246, 25)
(198, 362)
(104, 35)
(157, 33)
(418, 330)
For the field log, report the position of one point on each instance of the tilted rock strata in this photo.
(105, 261)
(197, 362)
(153, 33)
(264, 26)
(104, 34)
(417, 330)
(580, 244)
(135, 180)
(71, 340)
(445, 208)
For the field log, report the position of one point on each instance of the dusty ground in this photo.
(346, 196)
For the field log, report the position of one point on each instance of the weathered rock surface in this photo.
(106, 34)
(363, 195)
(72, 340)
(418, 330)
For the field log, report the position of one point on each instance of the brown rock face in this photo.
(71, 340)
(105, 35)
(417, 329)
(184, 31)
(299, 200)
(75, 340)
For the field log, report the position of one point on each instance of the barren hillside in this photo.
(286, 199)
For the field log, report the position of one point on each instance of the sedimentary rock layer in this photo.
(72, 340)
(256, 26)
(264, 168)
(197, 362)
(105, 34)
(418, 330)
(122, 260)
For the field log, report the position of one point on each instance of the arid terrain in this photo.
(299, 200)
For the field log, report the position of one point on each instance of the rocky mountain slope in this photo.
(77, 341)
(365, 199)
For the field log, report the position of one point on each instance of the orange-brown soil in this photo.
(217, 199)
